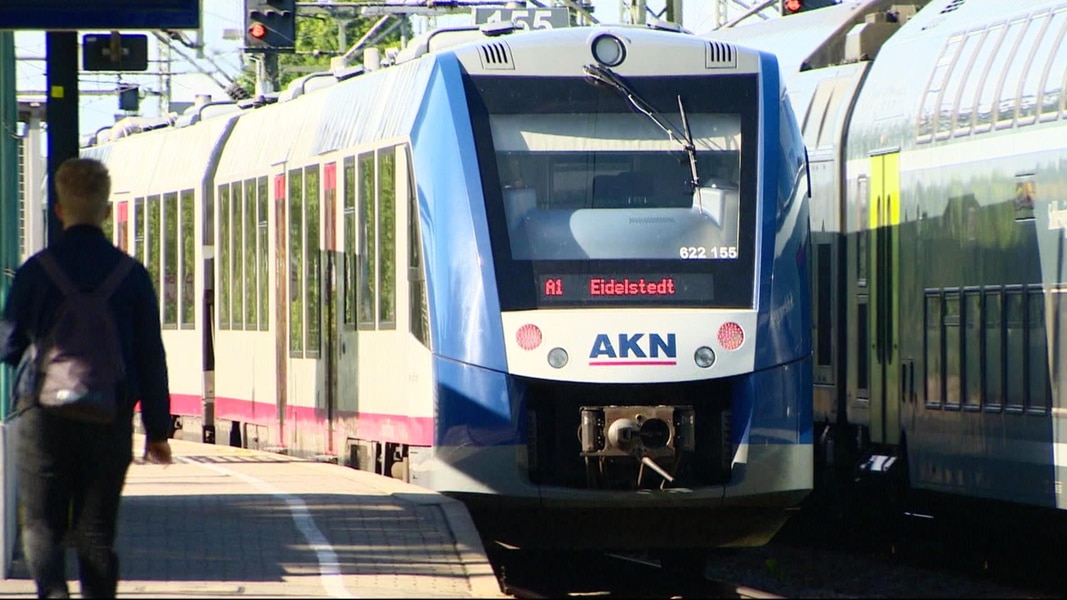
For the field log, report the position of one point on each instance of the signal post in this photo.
(270, 28)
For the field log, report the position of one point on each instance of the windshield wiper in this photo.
(606, 76)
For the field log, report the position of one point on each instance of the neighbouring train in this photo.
(561, 275)
(937, 138)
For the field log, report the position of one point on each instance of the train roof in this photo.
(467, 42)
(960, 69)
(819, 38)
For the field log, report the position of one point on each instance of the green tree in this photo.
(318, 39)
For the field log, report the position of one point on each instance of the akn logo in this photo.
(634, 349)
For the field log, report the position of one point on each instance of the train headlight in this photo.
(608, 50)
(704, 357)
(557, 358)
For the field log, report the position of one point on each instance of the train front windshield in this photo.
(593, 202)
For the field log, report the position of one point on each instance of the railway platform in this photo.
(231, 522)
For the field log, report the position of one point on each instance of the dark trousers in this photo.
(70, 478)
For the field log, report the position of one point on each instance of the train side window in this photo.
(387, 238)
(949, 99)
(109, 223)
(935, 87)
(1014, 349)
(237, 255)
(296, 263)
(972, 349)
(1022, 60)
(261, 249)
(170, 260)
(153, 244)
(187, 260)
(862, 198)
(1053, 79)
(1063, 92)
(824, 298)
(223, 267)
(985, 108)
(367, 241)
(952, 369)
(122, 229)
(248, 249)
(863, 350)
(139, 229)
(1033, 84)
(419, 322)
(1039, 394)
(933, 349)
(350, 241)
(993, 358)
(974, 84)
(312, 245)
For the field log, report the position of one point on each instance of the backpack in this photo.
(79, 364)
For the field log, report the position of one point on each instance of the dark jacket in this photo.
(87, 257)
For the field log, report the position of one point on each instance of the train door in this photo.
(884, 286)
(383, 408)
(330, 331)
(281, 298)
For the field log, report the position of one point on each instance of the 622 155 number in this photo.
(700, 252)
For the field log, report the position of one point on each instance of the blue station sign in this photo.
(52, 15)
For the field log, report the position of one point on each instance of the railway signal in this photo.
(270, 25)
(791, 7)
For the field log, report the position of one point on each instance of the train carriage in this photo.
(557, 274)
(939, 270)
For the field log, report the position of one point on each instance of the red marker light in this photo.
(528, 336)
(793, 5)
(731, 336)
(257, 30)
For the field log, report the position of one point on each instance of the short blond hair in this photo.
(83, 188)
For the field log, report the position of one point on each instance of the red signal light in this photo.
(793, 6)
(257, 30)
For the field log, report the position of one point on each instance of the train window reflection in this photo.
(951, 340)
(224, 256)
(237, 252)
(565, 176)
(1014, 351)
(976, 79)
(1051, 86)
(950, 95)
(934, 393)
(990, 92)
(935, 87)
(170, 259)
(994, 356)
(972, 346)
(154, 245)
(1032, 83)
(1037, 348)
(187, 260)
(1022, 60)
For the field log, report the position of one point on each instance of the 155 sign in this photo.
(525, 18)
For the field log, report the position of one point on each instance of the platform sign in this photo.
(54, 15)
(526, 18)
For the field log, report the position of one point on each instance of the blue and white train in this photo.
(561, 275)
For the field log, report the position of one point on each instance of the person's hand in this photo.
(157, 452)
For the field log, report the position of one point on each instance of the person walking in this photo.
(70, 472)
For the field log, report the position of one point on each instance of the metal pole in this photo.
(9, 191)
(674, 12)
(61, 113)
